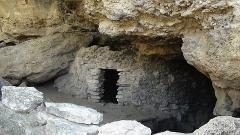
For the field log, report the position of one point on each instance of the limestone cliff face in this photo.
(34, 18)
(209, 29)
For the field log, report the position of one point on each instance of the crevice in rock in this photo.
(6, 44)
(23, 38)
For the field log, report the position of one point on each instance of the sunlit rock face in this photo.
(209, 29)
(156, 18)
(28, 18)
(33, 18)
(215, 52)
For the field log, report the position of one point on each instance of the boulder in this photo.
(63, 127)
(21, 99)
(222, 125)
(39, 60)
(124, 127)
(60, 126)
(14, 123)
(74, 113)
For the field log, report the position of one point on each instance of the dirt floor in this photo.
(112, 112)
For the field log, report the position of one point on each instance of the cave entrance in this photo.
(110, 86)
(191, 89)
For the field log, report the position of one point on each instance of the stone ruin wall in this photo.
(153, 84)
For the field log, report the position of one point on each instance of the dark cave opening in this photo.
(195, 91)
(110, 86)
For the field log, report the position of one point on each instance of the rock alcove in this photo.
(148, 73)
(151, 44)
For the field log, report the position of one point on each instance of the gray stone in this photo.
(56, 126)
(222, 125)
(59, 127)
(39, 60)
(74, 113)
(124, 127)
(13, 123)
(22, 99)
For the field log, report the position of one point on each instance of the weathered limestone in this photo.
(155, 18)
(63, 127)
(21, 99)
(124, 127)
(15, 120)
(60, 126)
(41, 59)
(27, 19)
(215, 53)
(14, 123)
(74, 113)
(224, 125)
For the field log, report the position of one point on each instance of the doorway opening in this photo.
(110, 87)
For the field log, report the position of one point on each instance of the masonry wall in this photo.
(150, 82)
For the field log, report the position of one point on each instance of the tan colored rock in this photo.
(155, 18)
(41, 59)
(34, 18)
(224, 125)
(216, 54)
(28, 18)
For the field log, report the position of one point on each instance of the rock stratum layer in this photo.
(209, 29)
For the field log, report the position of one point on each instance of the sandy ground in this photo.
(112, 112)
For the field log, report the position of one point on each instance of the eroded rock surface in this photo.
(15, 120)
(21, 99)
(74, 113)
(224, 125)
(124, 127)
(63, 127)
(41, 59)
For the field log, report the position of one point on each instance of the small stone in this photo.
(21, 99)
(74, 113)
(124, 127)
